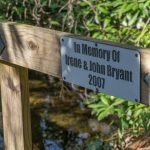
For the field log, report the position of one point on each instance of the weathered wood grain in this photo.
(36, 48)
(31, 47)
(15, 108)
(39, 49)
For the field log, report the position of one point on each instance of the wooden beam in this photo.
(39, 49)
(15, 107)
(31, 47)
(36, 48)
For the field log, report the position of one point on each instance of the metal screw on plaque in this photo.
(147, 79)
(2, 46)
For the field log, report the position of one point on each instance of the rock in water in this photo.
(97, 126)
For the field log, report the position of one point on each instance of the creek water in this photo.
(62, 122)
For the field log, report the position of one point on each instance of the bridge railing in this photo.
(24, 47)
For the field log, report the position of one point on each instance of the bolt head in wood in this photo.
(147, 79)
(2, 46)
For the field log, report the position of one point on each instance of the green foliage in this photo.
(42, 13)
(116, 20)
(133, 118)
(104, 105)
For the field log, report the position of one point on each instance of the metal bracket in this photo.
(2, 46)
(147, 79)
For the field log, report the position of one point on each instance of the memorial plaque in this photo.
(101, 67)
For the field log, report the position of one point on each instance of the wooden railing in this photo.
(30, 47)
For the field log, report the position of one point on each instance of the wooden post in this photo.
(15, 107)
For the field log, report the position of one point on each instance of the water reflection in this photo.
(61, 124)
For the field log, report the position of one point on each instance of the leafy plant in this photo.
(116, 20)
(133, 118)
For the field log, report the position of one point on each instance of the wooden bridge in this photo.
(29, 47)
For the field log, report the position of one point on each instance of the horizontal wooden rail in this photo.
(39, 49)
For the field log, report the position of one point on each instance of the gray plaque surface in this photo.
(101, 67)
